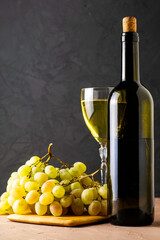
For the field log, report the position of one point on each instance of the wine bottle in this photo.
(130, 140)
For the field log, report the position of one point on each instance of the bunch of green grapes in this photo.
(39, 188)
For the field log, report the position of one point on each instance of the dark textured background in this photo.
(49, 50)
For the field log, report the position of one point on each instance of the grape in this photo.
(5, 195)
(87, 196)
(65, 175)
(31, 185)
(10, 210)
(99, 198)
(66, 185)
(28, 163)
(104, 207)
(77, 206)
(64, 211)
(15, 175)
(21, 207)
(75, 185)
(81, 166)
(65, 182)
(17, 192)
(87, 181)
(37, 169)
(32, 197)
(54, 180)
(3, 212)
(11, 200)
(103, 191)
(4, 205)
(51, 171)
(94, 208)
(66, 201)
(67, 189)
(56, 209)
(23, 181)
(46, 198)
(40, 209)
(16, 183)
(34, 160)
(32, 208)
(77, 192)
(9, 187)
(10, 180)
(40, 177)
(95, 192)
(58, 191)
(24, 170)
(74, 172)
(47, 186)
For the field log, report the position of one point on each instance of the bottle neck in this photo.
(130, 57)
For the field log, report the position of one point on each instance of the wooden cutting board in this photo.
(67, 221)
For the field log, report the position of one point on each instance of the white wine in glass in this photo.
(94, 103)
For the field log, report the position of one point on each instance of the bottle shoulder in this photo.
(126, 91)
(143, 92)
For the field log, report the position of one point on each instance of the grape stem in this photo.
(64, 164)
(90, 175)
(50, 155)
(44, 156)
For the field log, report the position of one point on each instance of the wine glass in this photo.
(94, 103)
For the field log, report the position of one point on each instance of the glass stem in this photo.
(103, 155)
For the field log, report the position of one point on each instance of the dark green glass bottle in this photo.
(130, 140)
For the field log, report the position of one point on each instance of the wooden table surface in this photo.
(23, 231)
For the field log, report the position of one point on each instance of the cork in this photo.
(129, 24)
